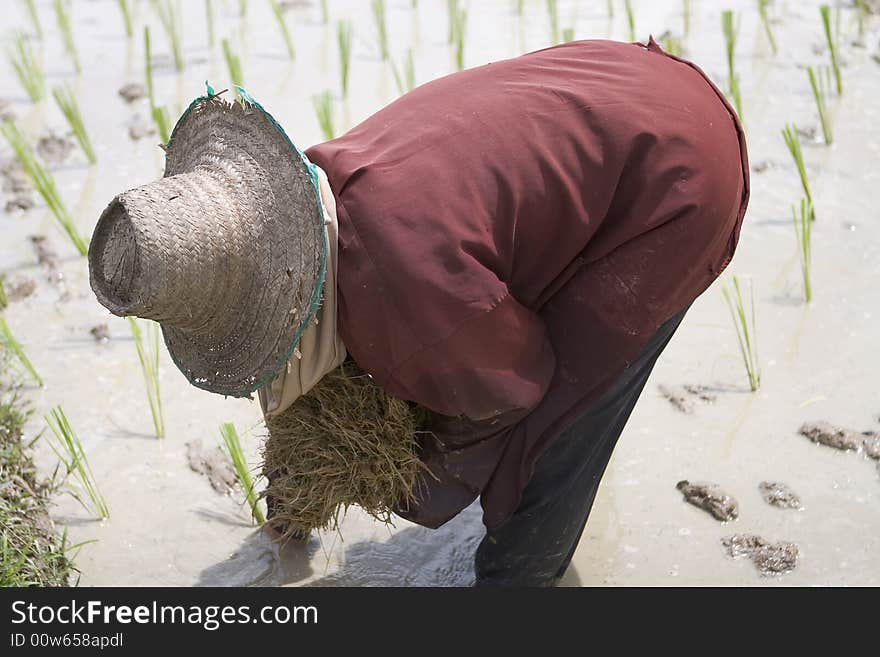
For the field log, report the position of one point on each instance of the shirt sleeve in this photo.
(496, 366)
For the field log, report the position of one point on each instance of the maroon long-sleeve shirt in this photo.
(511, 236)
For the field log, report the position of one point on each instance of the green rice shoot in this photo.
(67, 33)
(405, 81)
(71, 455)
(451, 14)
(672, 44)
(686, 16)
(765, 21)
(147, 347)
(825, 12)
(460, 30)
(27, 67)
(325, 15)
(728, 26)
(793, 141)
(31, 7)
(242, 8)
(13, 346)
(209, 17)
(819, 94)
(344, 39)
(169, 20)
(44, 184)
(148, 67)
(803, 233)
(233, 64)
(746, 332)
(239, 462)
(126, 16)
(162, 119)
(323, 104)
(630, 19)
(553, 14)
(282, 25)
(378, 7)
(70, 109)
(4, 300)
(568, 35)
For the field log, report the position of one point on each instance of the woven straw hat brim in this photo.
(233, 239)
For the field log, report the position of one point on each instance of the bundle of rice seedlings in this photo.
(11, 345)
(31, 7)
(239, 462)
(378, 7)
(804, 234)
(790, 135)
(169, 19)
(730, 33)
(819, 94)
(630, 19)
(765, 20)
(323, 104)
(148, 356)
(126, 16)
(282, 25)
(407, 81)
(71, 455)
(345, 443)
(44, 184)
(67, 33)
(27, 67)
(746, 335)
(343, 39)
(70, 108)
(825, 12)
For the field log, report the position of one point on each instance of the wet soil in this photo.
(769, 558)
(775, 493)
(213, 463)
(710, 497)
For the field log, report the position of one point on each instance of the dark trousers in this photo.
(535, 546)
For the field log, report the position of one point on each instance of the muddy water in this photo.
(169, 526)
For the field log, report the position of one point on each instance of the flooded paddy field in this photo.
(697, 421)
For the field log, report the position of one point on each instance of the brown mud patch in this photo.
(54, 149)
(710, 497)
(777, 494)
(849, 440)
(132, 92)
(100, 332)
(213, 463)
(685, 397)
(19, 288)
(769, 558)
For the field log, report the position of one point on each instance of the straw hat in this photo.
(226, 251)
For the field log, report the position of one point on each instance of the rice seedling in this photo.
(148, 66)
(162, 119)
(451, 13)
(553, 13)
(862, 13)
(66, 33)
(325, 15)
(803, 233)
(819, 93)
(70, 108)
(765, 21)
(282, 25)
(730, 34)
(168, 17)
(239, 461)
(27, 67)
(407, 81)
(568, 35)
(825, 12)
(610, 5)
(13, 346)
(209, 16)
(746, 336)
(233, 65)
(790, 135)
(126, 16)
(630, 19)
(343, 39)
(323, 104)
(44, 184)
(686, 16)
(71, 455)
(242, 8)
(4, 300)
(378, 7)
(31, 7)
(519, 8)
(460, 31)
(148, 356)
(672, 44)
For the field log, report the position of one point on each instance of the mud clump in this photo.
(711, 498)
(769, 558)
(213, 463)
(6, 113)
(132, 91)
(827, 434)
(684, 397)
(140, 128)
(19, 203)
(871, 445)
(53, 149)
(20, 288)
(100, 332)
(775, 493)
